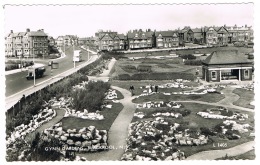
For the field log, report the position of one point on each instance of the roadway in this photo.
(17, 82)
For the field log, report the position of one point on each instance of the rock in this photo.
(86, 143)
(78, 135)
(57, 136)
(71, 130)
(168, 158)
(78, 143)
(91, 128)
(70, 142)
(95, 141)
(82, 130)
(63, 138)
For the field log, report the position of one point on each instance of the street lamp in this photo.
(73, 56)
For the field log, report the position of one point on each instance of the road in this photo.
(17, 82)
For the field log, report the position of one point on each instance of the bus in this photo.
(77, 56)
(37, 69)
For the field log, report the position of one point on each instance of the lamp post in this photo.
(73, 56)
(33, 71)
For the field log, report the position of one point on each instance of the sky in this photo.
(85, 20)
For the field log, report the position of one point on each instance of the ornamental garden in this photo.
(176, 115)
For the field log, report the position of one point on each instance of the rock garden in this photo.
(166, 130)
(86, 139)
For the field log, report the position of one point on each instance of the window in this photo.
(35, 44)
(246, 74)
(213, 75)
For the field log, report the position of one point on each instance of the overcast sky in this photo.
(85, 20)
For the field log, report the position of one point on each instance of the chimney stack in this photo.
(27, 30)
(12, 31)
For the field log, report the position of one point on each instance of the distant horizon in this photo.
(86, 20)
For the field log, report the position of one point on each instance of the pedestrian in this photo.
(151, 87)
(197, 71)
(132, 89)
(156, 88)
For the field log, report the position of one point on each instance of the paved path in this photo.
(214, 154)
(118, 131)
(230, 97)
(59, 115)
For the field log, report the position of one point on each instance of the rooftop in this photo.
(226, 57)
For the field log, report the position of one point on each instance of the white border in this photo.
(2, 79)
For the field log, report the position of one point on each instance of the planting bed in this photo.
(159, 135)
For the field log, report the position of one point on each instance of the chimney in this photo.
(27, 30)
(12, 31)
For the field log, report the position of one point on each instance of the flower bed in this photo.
(161, 104)
(83, 115)
(22, 130)
(86, 139)
(111, 94)
(158, 140)
(232, 130)
(222, 113)
(150, 90)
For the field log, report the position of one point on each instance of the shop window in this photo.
(213, 75)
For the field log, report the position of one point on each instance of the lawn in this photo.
(246, 97)
(210, 50)
(138, 84)
(195, 121)
(209, 97)
(109, 115)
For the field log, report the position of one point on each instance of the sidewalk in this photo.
(215, 154)
(118, 131)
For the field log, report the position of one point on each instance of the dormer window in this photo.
(136, 35)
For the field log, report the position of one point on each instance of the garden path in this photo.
(214, 154)
(118, 131)
(230, 97)
(59, 115)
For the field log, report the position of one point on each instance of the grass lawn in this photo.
(210, 50)
(209, 97)
(196, 122)
(138, 84)
(246, 97)
(109, 115)
(119, 95)
(143, 54)
(250, 155)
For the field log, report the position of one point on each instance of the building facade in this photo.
(109, 41)
(167, 39)
(139, 39)
(225, 66)
(26, 44)
(242, 34)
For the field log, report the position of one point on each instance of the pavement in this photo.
(118, 131)
(215, 154)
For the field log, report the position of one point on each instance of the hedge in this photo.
(157, 76)
(193, 62)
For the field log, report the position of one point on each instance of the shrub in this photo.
(124, 77)
(91, 98)
(188, 56)
(144, 68)
(193, 62)
(206, 131)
